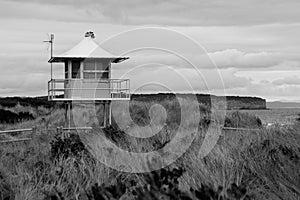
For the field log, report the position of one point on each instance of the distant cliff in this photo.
(232, 102)
(236, 102)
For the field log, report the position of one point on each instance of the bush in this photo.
(65, 147)
(11, 117)
(26, 101)
(242, 120)
(5, 189)
(298, 118)
(162, 184)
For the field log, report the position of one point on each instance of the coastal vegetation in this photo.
(259, 163)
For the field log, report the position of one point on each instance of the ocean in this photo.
(276, 115)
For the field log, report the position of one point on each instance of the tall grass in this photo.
(260, 164)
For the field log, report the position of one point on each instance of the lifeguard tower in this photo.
(87, 78)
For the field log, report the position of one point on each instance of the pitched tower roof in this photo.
(87, 48)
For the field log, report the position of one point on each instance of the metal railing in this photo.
(62, 89)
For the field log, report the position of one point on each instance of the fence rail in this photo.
(77, 128)
(62, 129)
(240, 129)
(222, 127)
(16, 131)
(15, 140)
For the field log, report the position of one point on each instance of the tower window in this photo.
(95, 70)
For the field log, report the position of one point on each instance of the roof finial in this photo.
(90, 34)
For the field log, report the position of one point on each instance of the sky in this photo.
(246, 47)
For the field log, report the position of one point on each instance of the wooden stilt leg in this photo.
(68, 115)
(109, 113)
(105, 114)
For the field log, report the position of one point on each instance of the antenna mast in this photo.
(51, 51)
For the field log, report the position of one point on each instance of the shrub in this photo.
(162, 184)
(65, 147)
(11, 117)
(298, 118)
(243, 120)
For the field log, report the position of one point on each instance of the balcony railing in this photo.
(88, 89)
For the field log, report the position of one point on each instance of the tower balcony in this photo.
(88, 89)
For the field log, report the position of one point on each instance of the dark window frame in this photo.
(75, 69)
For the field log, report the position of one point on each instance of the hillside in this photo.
(233, 102)
(25, 101)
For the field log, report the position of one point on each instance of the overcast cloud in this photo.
(254, 44)
(170, 12)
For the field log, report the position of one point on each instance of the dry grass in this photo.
(265, 163)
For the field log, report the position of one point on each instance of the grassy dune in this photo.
(260, 164)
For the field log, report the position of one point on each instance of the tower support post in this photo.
(105, 114)
(109, 112)
(68, 114)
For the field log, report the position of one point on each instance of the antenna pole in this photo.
(51, 46)
(51, 51)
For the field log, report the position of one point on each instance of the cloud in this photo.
(272, 91)
(182, 12)
(291, 80)
(240, 48)
(18, 85)
(169, 78)
(266, 90)
(229, 58)
(233, 58)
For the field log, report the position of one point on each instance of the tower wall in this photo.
(86, 89)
